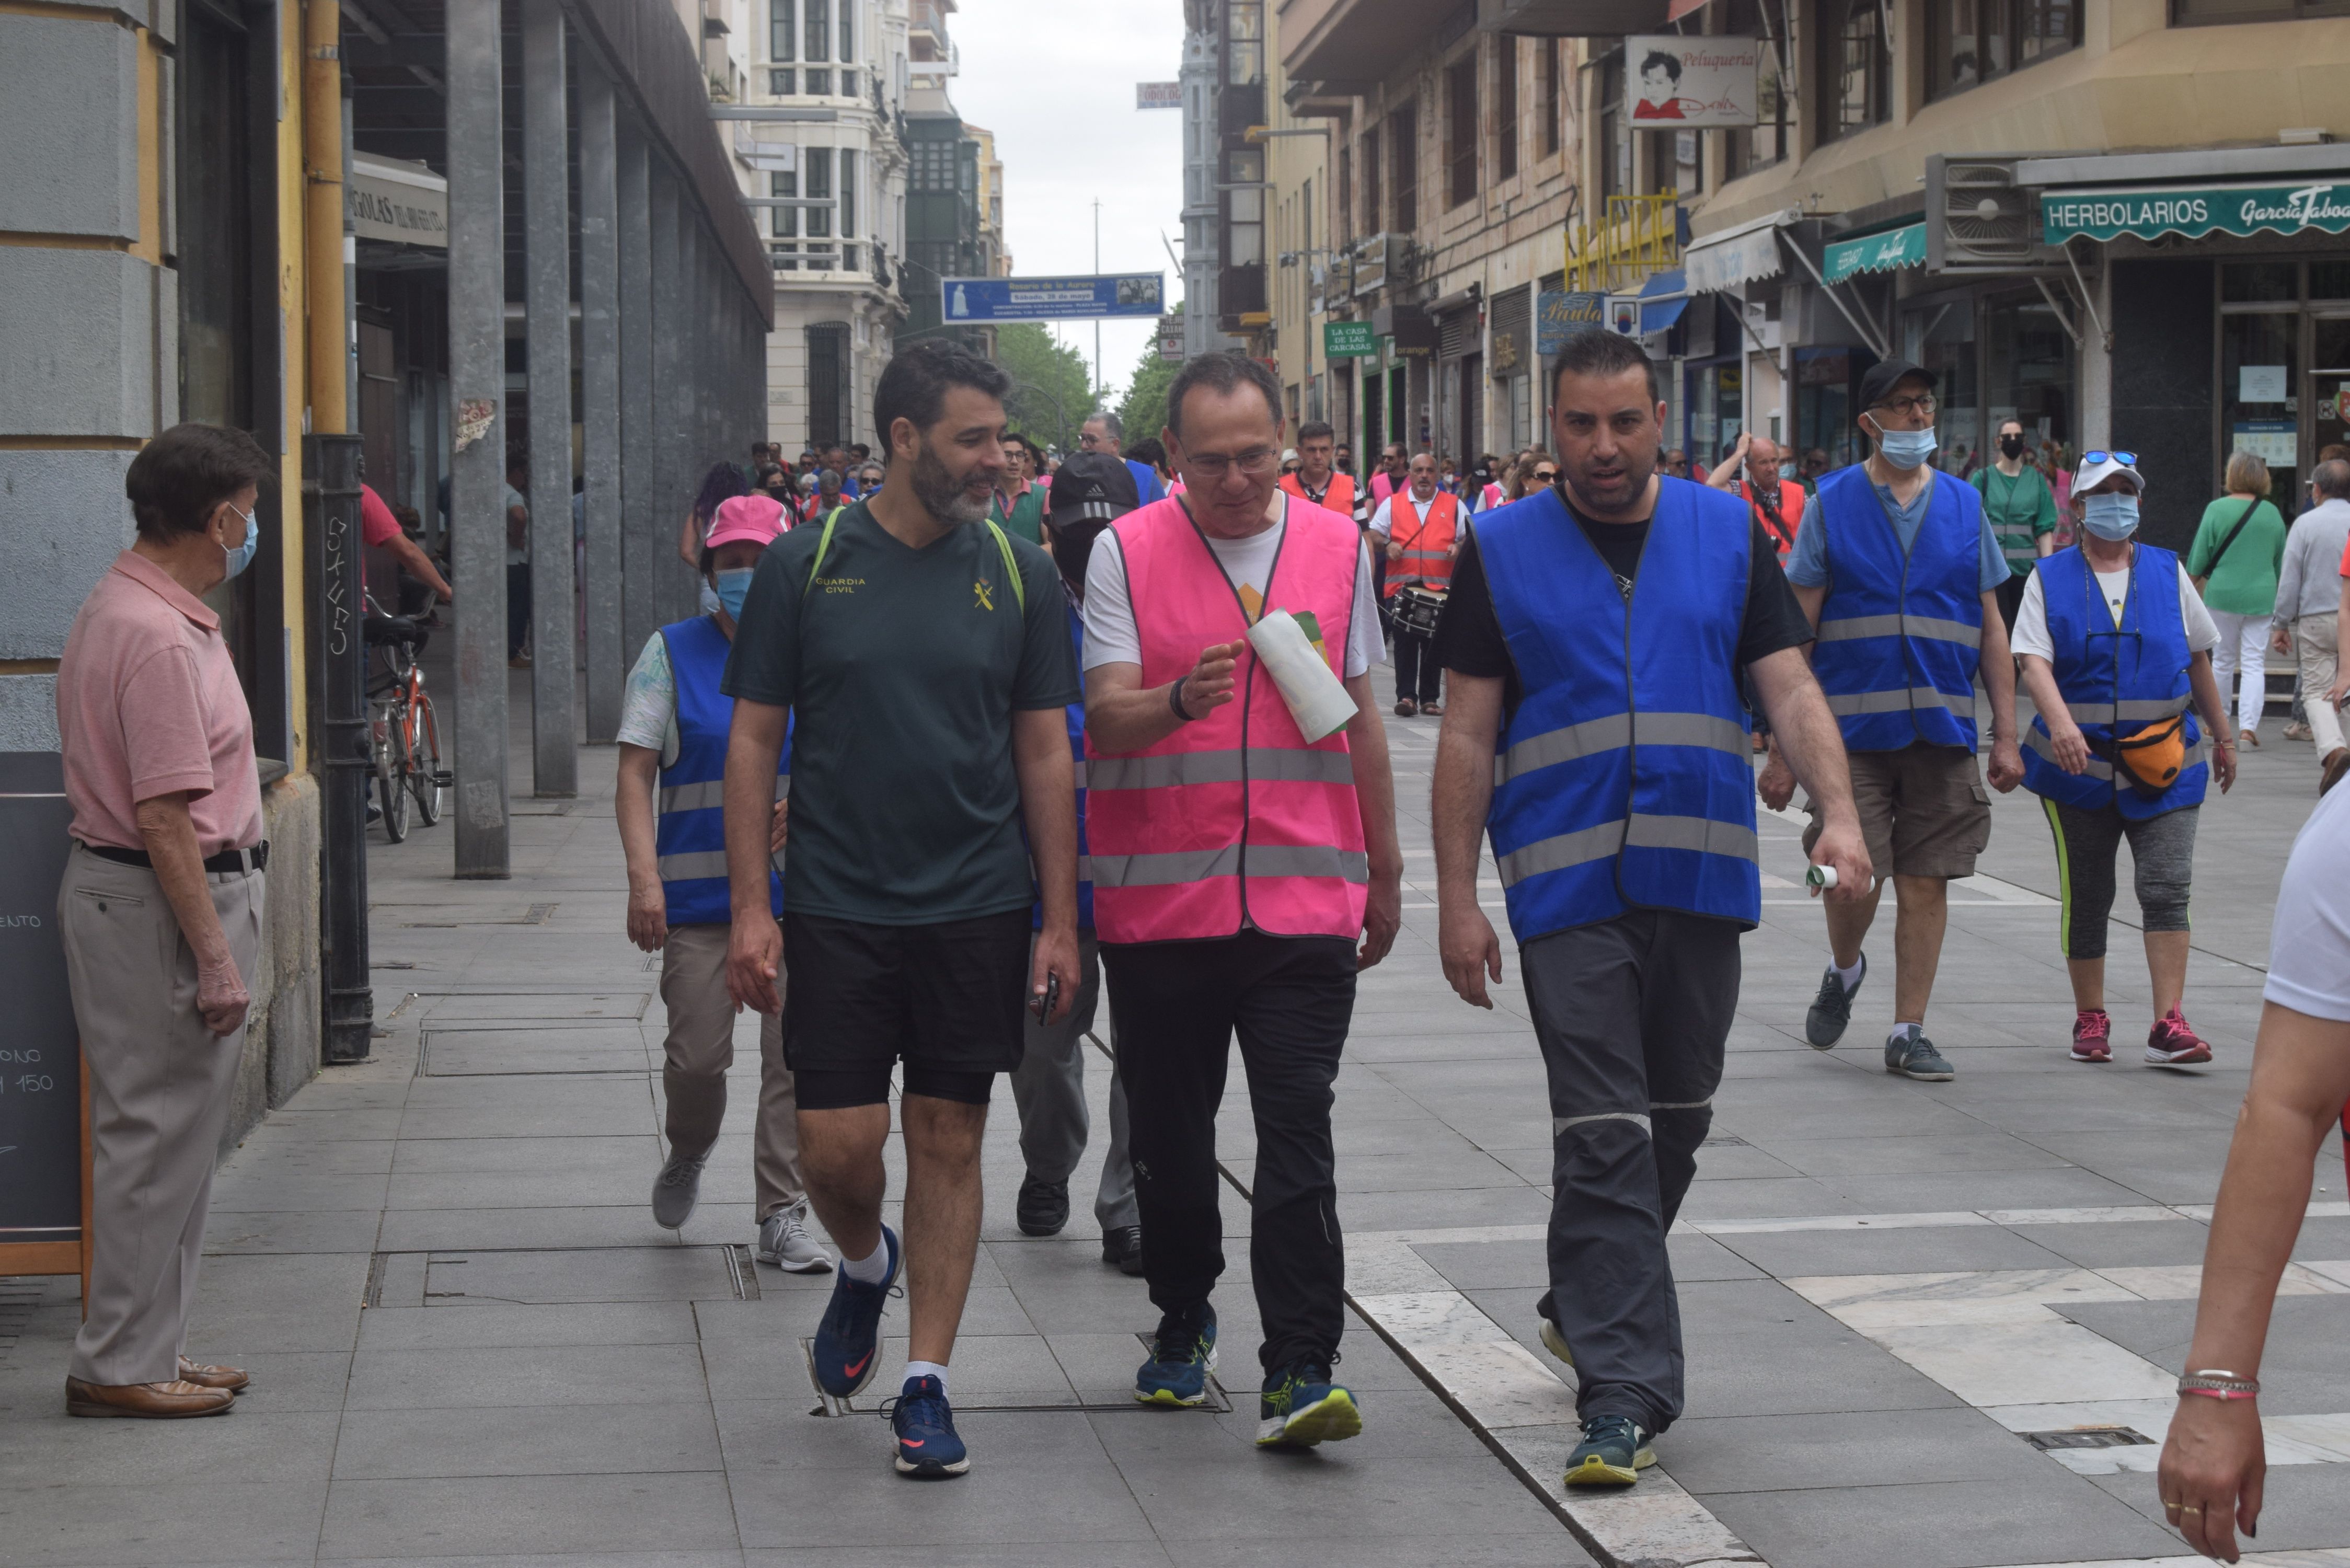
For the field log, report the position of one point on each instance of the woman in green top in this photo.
(2235, 558)
(2021, 512)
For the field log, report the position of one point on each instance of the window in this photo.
(786, 225)
(1346, 224)
(1971, 41)
(1506, 106)
(934, 166)
(1373, 202)
(1403, 146)
(847, 31)
(1612, 149)
(848, 157)
(819, 83)
(1460, 132)
(1856, 60)
(848, 84)
(782, 84)
(816, 163)
(820, 30)
(1244, 208)
(781, 38)
(1554, 93)
(1244, 43)
(828, 384)
(1769, 139)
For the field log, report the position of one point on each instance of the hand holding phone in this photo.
(1042, 1004)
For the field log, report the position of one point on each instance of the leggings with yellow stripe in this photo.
(2162, 853)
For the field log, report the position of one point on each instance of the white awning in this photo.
(1737, 255)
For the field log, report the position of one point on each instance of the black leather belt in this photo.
(240, 861)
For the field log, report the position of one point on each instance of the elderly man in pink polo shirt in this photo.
(161, 908)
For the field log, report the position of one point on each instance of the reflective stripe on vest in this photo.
(1427, 557)
(1900, 634)
(1624, 777)
(2116, 680)
(1232, 821)
(690, 837)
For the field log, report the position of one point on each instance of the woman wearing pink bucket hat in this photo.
(672, 735)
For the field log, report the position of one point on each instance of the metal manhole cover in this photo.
(2087, 1437)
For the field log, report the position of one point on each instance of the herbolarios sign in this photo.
(2194, 211)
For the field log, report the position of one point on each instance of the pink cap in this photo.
(757, 518)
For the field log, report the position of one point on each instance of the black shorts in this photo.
(946, 999)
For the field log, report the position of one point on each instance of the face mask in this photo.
(241, 557)
(2010, 446)
(1906, 449)
(734, 586)
(2112, 515)
(1786, 471)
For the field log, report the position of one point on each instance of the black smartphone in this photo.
(1043, 1005)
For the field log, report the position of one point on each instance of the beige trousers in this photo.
(699, 1050)
(158, 1085)
(2314, 642)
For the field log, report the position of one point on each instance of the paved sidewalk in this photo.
(471, 1344)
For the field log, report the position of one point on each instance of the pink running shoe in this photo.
(2093, 1037)
(2172, 1044)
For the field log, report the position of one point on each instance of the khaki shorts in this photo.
(1924, 811)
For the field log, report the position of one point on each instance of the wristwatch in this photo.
(1175, 701)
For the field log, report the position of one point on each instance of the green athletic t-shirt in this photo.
(2019, 510)
(903, 669)
(2244, 581)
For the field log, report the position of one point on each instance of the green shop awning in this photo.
(1887, 252)
(2195, 210)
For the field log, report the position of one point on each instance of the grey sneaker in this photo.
(1912, 1055)
(677, 1189)
(784, 1241)
(1824, 1026)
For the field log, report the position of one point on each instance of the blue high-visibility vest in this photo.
(2116, 679)
(690, 838)
(1900, 636)
(1623, 779)
(1078, 759)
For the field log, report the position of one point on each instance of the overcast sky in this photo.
(1054, 79)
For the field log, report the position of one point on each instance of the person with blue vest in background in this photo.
(674, 730)
(1094, 490)
(2116, 646)
(1900, 570)
(1594, 640)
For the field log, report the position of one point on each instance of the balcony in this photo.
(1630, 238)
(1346, 46)
(1239, 292)
(926, 29)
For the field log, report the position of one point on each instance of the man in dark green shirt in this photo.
(925, 655)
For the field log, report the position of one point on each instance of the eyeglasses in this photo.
(1545, 476)
(1905, 406)
(2126, 459)
(1256, 463)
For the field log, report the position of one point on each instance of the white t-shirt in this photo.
(2031, 633)
(515, 557)
(2309, 955)
(1108, 613)
(1381, 521)
(649, 703)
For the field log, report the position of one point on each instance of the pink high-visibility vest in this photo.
(1233, 821)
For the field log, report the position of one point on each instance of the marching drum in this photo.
(1417, 610)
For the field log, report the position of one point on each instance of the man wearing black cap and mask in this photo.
(1900, 571)
(1091, 491)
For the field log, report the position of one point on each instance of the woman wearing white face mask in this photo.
(2115, 648)
(673, 732)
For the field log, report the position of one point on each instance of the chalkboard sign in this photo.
(40, 1061)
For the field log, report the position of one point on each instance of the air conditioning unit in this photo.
(1978, 219)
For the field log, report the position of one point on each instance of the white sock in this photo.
(870, 1271)
(1848, 977)
(1904, 1033)
(924, 1369)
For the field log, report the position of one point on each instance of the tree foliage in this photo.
(1144, 408)
(1052, 390)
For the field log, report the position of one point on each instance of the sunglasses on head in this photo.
(2126, 459)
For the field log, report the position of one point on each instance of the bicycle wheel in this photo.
(391, 777)
(424, 759)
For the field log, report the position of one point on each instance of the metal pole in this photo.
(640, 529)
(663, 497)
(599, 387)
(547, 225)
(331, 499)
(477, 378)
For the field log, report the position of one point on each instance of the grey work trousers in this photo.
(159, 1083)
(1049, 1087)
(699, 1050)
(1632, 1015)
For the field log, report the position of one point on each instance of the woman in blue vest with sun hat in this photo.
(673, 728)
(2115, 648)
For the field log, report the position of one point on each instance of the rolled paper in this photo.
(1316, 698)
(1821, 875)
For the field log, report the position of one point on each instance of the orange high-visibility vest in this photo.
(1338, 497)
(1427, 557)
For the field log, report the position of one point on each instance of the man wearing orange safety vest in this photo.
(1318, 482)
(1752, 473)
(1236, 863)
(1419, 527)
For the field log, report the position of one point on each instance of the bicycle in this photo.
(404, 737)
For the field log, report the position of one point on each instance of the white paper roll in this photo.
(1317, 699)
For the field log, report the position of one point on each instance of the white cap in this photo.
(2089, 475)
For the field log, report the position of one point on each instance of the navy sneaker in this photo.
(1613, 1451)
(1831, 1010)
(1910, 1054)
(1300, 1407)
(849, 1336)
(928, 1448)
(1182, 1354)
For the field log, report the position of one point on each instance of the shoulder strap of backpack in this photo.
(823, 543)
(1011, 565)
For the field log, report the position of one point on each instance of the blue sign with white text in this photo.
(1052, 298)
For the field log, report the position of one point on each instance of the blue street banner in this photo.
(1052, 298)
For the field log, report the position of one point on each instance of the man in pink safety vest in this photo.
(1235, 865)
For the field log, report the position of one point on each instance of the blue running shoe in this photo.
(848, 1339)
(928, 1448)
(1182, 1354)
(1613, 1451)
(1300, 1407)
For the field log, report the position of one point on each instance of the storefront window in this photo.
(1946, 347)
(2259, 283)
(2330, 379)
(2028, 377)
(1717, 411)
(2259, 405)
(1824, 402)
(2329, 280)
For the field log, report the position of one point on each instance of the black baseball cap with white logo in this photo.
(1091, 487)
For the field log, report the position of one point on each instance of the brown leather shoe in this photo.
(232, 1378)
(154, 1401)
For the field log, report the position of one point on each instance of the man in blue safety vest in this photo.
(1594, 642)
(1899, 571)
